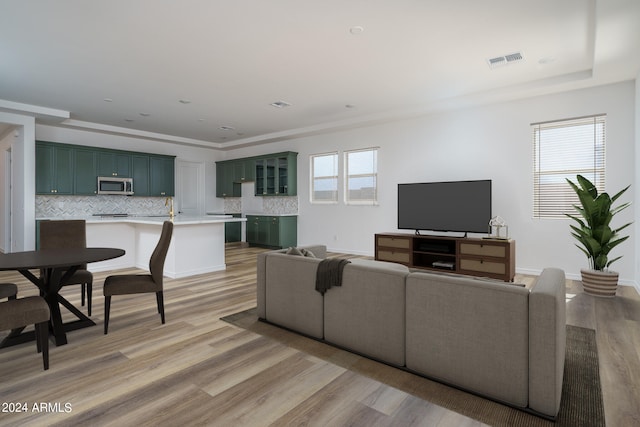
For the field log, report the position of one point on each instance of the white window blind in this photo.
(561, 150)
(324, 178)
(361, 173)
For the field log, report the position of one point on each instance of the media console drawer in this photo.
(481, 266)
(394, 242)
(483, 250)
(393, 256)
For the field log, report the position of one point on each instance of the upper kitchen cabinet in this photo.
(140, 174)
(74, 169)
(230, 174)
(244, 170)
(162, 176)
(85, 166)
(276, 175)
(225, 184)
(54, 168)
(112, 163)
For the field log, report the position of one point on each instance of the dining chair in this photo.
(17, 313)
(8, 290)
(69, 234)
(125, 284)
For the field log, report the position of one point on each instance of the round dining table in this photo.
(56, 266)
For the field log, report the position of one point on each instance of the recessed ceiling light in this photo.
(227, 128)
(184, 101)
(356, 30)
(108, 100)
(280, 104)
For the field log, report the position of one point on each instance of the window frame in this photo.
(313, 178)
(556, 198)
(348, 176)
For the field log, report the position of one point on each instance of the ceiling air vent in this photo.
(500, 61)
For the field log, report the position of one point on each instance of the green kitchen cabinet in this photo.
(54, 168)
(230, 174)
(276, 175)
(225, 182)
(112, 163)
(233, 230)
(243, 170)
(162, 176)
(272, 231)
(140, 174)
(85, 176)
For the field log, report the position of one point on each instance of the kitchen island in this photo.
(197, 245)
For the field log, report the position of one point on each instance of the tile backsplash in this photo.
(270, 205)
(81, 206)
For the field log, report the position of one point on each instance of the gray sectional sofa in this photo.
(499, 340)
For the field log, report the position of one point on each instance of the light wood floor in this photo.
(199, 370)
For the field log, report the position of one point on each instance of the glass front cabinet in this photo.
(276, 176)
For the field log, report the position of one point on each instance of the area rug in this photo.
(581, 403)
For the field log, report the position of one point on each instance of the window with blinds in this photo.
(324, 178)
(361, 176)
(563, 149)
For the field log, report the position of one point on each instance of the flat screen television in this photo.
(460, 206)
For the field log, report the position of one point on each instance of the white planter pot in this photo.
(599, 283)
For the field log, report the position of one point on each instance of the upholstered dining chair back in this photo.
(126, 284)
(8, 290)
(17, 313)
(69, 234)
(159, 255)
(64, 234)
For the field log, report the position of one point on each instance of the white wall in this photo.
(182, 152)
(489, 142)
(637, 183)
(24, 181)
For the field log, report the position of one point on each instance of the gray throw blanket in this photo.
(330, 273)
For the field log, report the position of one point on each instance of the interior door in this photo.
(190, 188)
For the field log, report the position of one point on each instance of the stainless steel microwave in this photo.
(113, 185)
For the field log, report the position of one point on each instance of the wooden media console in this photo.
(463, 255)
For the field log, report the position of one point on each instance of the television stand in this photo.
(462, 255)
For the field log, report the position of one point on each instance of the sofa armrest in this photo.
(320, 251)
(547, 341)
(291, 298)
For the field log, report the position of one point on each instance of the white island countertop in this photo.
(153, 219)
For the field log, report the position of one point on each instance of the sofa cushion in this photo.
(291, 299)
(547, 341)
(300, 252)
(366, 314)
(469, 333)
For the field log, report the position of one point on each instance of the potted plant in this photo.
(596, 237)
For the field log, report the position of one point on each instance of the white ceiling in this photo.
(60, 60)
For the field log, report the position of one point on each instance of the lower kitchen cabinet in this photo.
(272, 231)
(233, 231)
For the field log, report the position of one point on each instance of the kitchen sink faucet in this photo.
(169, 202)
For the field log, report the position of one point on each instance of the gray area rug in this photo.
(581, 403)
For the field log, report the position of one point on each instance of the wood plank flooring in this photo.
(199, 370)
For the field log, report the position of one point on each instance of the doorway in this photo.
(189, 188)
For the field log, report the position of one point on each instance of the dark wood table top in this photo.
(56, 258)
